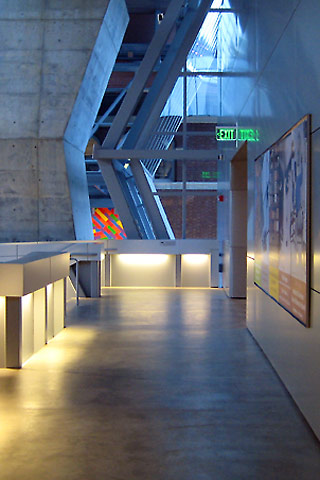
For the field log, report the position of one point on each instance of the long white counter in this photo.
(33, 285)
(161, 263)
(86, 254)
(32, 304)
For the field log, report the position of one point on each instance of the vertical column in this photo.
(107, 271)
(13, 332)
(50, 312)
(27, 306)
(214, 268)
(58, 306)
(2, 332)
(178, 270)
(184, 164)
(64, 300)
(48, 111)
(238, 224)
(90, 278)
(39, 313)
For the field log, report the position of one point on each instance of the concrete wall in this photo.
(277, 57)
(56, 58)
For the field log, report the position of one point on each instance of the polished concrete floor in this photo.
(152, 385)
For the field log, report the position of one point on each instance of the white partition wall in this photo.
(161, 263)
(276, 93)
(143, 270)
(195, 270)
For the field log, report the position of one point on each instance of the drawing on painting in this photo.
(282, 210)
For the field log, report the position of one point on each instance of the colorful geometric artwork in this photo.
(106, 224)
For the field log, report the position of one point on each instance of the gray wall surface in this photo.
(55, 62)
(274, 50)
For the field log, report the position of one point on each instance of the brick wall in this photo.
(195, 168)
(201, 221)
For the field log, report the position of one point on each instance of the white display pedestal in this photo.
(32, 307)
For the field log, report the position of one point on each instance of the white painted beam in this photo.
(133, 154)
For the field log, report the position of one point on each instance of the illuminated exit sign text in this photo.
(233, 134)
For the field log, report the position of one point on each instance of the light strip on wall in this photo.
(195, 258)
(144, 259)
(26, 299)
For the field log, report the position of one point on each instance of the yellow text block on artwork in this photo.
(274, 282)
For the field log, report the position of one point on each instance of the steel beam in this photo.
(95, 178)
(151, 109)
(161, 185)
(132, 154)
(99, 123)
(119, 200)
(168, 73)
(140, 80)
(189, 193)
(184, 165)
(101, 203)
(205, 73)
(160, 224)
(199, 133)
(224, 10)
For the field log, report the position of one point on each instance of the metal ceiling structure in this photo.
(147, 6)
(129, 119)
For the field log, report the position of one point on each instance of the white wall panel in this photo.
(143, 270)
(195, 271)
(279, 44)
(315, 217)
(292, 349)
(58, 307)
(39, 307)
(50, 311)
(27, 327)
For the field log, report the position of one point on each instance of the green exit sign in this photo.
(233, 134)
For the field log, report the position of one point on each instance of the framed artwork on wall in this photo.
(282, 220)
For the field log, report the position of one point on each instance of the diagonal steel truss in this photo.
(140, 210)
